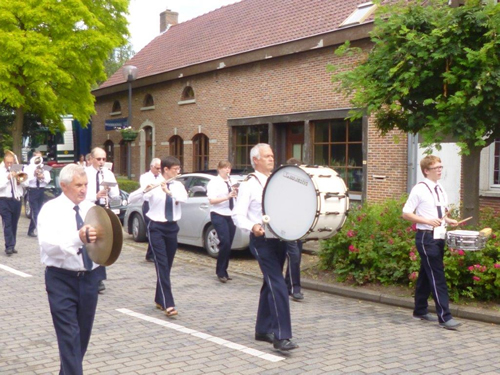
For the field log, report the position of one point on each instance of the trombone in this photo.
(17, 177)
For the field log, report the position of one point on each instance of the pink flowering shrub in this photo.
(377, 246)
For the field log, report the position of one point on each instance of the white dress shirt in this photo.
(217, 188)
(5, 184)
(248, 208)
(31, 182)
(114, 192)
(423, 201)
(149, 178)
(57, 234)
(157, 197)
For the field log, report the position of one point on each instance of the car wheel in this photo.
(211, 241)
(27, 208)
(138, 228)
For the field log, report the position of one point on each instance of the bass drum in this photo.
(305, 203)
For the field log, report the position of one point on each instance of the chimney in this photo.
(167, 19)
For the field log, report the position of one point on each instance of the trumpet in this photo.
(39, 168)
(154, 186)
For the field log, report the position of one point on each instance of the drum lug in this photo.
(334, 195)
(332, 213)
(325, 229)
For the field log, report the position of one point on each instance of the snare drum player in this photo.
(164, 212)
(427, 206)
(98, 194)
(221, 196)
(71, 278)
(273, 323)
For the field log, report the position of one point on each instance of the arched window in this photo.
(200, 152)
(123, 158)
(148, 145)
(116, 107)
(187, 93)
(176, 144)
(148, 101)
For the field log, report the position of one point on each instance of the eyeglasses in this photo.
(436, 168)
(100, 159)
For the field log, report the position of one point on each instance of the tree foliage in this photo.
(53, 52)
(433, 70)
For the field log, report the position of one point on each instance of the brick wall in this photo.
(296, 83)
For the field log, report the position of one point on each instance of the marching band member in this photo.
(426, 206)
(221, 196)
(273, 323)
(71, 278)
(11, 194)
(38, 178)
(98, 194)
(151, 177)
(164, 212)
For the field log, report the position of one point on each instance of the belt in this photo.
(425, 230)
(5, 198)
(36, 188)
(68, 272)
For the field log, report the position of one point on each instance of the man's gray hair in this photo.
(154, 161)
(255, 152)
(69, 172)
(92, 153)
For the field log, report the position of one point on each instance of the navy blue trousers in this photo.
(225, 228)
(35, 198)
(73, 302)
(145, 209)
(431, 277)
(294, 255)
(273, 314)
(163, 241)
(10, 210)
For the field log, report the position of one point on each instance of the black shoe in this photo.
(31, 234)
(266, 337)
(428, 317)
(150, 260)
(285, 344)
(14, 251)
(101, 287)
(9, 251)
(222, 279)
(297, 296)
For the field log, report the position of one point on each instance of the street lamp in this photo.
(130, 74)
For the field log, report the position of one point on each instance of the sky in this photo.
(144, 16)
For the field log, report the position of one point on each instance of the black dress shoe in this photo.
(298, 296)
(101, 287)
(284, 345)
(8, 251)
(222, 279)
(14, 251)
(267, 337)
(31, 234)
(150, 260)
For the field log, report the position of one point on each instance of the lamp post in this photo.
(130, 74)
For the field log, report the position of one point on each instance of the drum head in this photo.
(290, 200)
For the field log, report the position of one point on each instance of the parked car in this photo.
(195, 227)
(117, 205)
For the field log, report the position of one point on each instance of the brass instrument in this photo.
(17, 177)
(39, 170)
(151, 187)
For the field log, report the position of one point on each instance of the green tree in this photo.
(116, 59)
(53, 52)
(433, 70)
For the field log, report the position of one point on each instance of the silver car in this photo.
(195, 227)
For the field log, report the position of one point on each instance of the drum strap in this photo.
(250, 175)
(439, 211)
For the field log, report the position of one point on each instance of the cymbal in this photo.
(100, 250)
(117, 245)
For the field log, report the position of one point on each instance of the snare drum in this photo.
(468, 240)
(305, 202)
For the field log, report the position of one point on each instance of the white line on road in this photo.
(16, 272)
(204, 336)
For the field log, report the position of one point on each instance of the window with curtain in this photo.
(245, 138)
(200, 152)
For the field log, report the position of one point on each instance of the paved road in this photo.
(213, 333)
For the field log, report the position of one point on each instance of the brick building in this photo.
(255, 71)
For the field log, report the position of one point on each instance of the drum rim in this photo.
(316, 216)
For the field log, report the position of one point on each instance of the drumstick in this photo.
(464, 220)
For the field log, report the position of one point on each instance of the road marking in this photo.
(204, 336)
(12, 270)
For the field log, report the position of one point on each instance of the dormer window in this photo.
(362, 12)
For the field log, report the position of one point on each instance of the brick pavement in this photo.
(336, 334)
